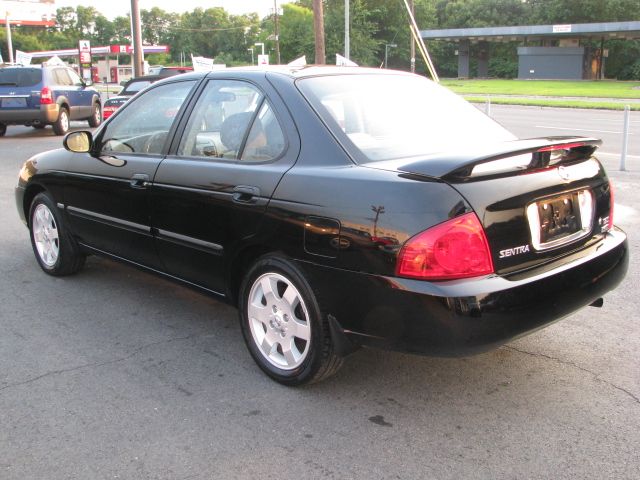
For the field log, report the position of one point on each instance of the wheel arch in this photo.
(238, 267)
(64, 103)
(29, 194)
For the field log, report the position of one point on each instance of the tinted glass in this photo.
(75, 78)
(61, 77)
(20, 77)
(265, 141)
(382, 117)
(220, 121)
(143, 123)
(135, 87)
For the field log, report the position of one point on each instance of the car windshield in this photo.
(20, 77)
(135, 87)
(385, 116)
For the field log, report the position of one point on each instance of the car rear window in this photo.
(20, 77)
(387, 116)
(135, 87)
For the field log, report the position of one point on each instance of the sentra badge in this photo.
(510, 252)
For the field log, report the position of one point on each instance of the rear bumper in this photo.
(468, 316)
(44, 114)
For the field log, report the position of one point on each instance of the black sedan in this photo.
(337, 208)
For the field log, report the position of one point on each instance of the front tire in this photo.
(61, 125)
(3, 129)
(55, 249)
(96, 116)
(283, 325)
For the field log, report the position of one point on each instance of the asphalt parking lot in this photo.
(114, 373)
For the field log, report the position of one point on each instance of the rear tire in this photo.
(3, 129)
(285, 331)
(96, 116)
(61, 125)
(55, 249)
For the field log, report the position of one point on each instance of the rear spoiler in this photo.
(544, 152)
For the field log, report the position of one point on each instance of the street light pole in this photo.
(386, 52)
(251, 50)
(277, 32)
(347, 44)
(9, 43)
(261, 45)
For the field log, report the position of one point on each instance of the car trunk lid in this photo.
(538, 199)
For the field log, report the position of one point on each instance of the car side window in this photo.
(266, 140)
(62, 77)
(144, 123)
(75, 78)
(221, 124)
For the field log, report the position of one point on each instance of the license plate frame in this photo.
(561, 219)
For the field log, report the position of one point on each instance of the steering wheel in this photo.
(155, 140)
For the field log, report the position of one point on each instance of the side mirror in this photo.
(78, 142)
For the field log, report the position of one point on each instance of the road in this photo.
(114, 373)
(607, 125)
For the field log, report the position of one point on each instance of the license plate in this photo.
(559, 217)
(559, 220)
(14, 102)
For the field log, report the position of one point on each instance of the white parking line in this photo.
(579, 129)
(615, 154)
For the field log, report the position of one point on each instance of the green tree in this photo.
(296, 32)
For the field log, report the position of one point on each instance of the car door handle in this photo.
(245, 194)
(139, 180)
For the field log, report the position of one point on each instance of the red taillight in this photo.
(46, 97)
(611, 204)
(457, 248)
(108, 111)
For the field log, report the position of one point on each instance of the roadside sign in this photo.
(23, 58)
(84, 53)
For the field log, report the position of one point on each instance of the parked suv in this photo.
(41, 96)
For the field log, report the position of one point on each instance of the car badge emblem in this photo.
(564, 173)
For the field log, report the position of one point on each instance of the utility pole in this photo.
(277, 32)
(318, 27)
(9, 43)
(413, 42)
(136, 30)
(347, 33)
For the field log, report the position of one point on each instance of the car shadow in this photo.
(30, 132)
(211, 333)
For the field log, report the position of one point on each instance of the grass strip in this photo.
(550, 88)
(534, 102)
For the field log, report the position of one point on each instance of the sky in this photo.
(115, 8)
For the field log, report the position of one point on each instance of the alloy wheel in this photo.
(279, 321)
(45, 235)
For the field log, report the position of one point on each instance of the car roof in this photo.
(313, 70)
(306, 71)
(144, 78)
